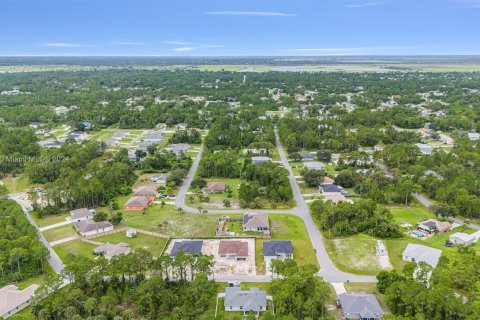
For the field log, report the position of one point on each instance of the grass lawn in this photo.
(170, 221)
(76, 247)
(288, 227)
(16, 184)
(412, 215)
(367, 288)
(356, 254)
(25, 314)
(142, 241)
(60, 233)
(50, 219)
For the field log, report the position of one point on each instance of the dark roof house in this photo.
(277, 248)
(188, 246)
(360, 306)
(246, 301)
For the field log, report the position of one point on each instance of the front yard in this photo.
(142, 241)
(60, 233)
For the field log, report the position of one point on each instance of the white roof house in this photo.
(12, 300)
(474, 136)
(314, 165)
(418, 253)
(462, 238)
(425, 149)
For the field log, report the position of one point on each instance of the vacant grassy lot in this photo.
(17, 184)
(50, 219)
(288, 227)
(60, 233)
(356, 254)
(170, 221)
(411, 215)
(142, 241)
(76, 247)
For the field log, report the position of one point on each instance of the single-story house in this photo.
(143, 146)
(181, 126)
(193, 247)
(252, 300)
(314, 165)
(336, 198)
(329, 189)
(161, 126)
(260, 160)
(160, 178)
(132, 156)
(81, 214)
(179, 149)
(418, 253)
(425, 149)
(308, 157)
(146, 191)
(138, 203)
(12, 300)
(88, 228)
(120, 135)
(446, 139)
(79, 136)
(214, 187)
(109, 250)
(156, 136)
(361, 306)
(461, 238)
(277, 250)
(233, 250)
(432, 225)
(473, 136)
(255, 222)
(255, 151)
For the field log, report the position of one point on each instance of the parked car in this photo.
(449, 243)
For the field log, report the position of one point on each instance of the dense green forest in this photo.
(22, 255)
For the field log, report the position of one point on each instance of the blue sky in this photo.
(239, 27)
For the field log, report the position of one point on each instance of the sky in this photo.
(239, 27)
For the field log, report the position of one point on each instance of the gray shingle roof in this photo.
(360, 304)
(272, 248)
(255, 220)
(187, 246)
(326, 187)
(252, 300)
(80, 213)
(89, 225)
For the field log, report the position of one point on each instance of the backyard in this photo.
(152, 244)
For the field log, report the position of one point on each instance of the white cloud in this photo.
(250, 13)
(63, 45)
(363, 5)
(177, 43)
(183, 49)
(130, 43)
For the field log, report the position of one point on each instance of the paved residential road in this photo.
(53, 259)
(327, 269)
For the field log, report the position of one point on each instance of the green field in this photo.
(288, 227)
(168, 220)
(76, 247)
(50, 219)
(411, 215)
(17, 184)
(142, 241)
(356, 254)
(60, 233)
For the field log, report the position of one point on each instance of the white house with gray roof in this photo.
(360, 306)
(88, 228)
(257, 222)
(156, 136)
(252, 300)
(80, 215)
(418, 253)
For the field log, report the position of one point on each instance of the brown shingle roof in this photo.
(238, 248)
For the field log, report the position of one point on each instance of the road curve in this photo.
(327, 269)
